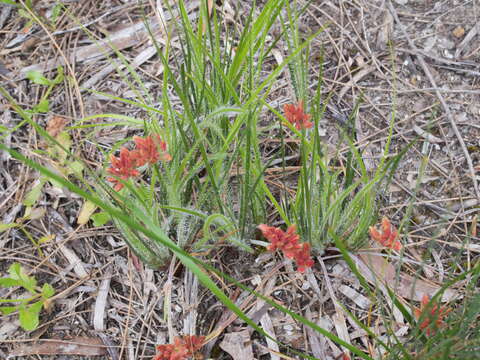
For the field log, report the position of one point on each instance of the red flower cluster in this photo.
(182, 348)
(148, 150)
(387, 236)
(123, 167)
(296, 116)
(436, 313)
(289, 243)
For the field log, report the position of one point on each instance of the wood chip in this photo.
(339, 315)
(427, 136)
(327, 324)
(127, 37)
(385, 32)
(376, 269)
(467, 247)
(261, 315)
(143, 56)
(101, 302)
(267, 326)
(81, 346)
(72, 258)
(356, 78)
(8, 328)
(317, 346)
(238, 345)
(190, 302)
(355, 296)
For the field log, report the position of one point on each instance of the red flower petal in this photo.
(387, 236)
(183, 347)
(289, 243)
(436, 313)
(150, 150)
(123, 167)
(296, 116)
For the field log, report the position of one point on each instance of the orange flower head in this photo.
(279, 239)
(436, 314)
(288, 242)
(387, 236)
(123, 167)
(193, 343)
(150, 150)
(296, 116)
(183, 347)
(303, 258)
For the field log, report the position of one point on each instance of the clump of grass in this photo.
(212, 189)
(331, 196)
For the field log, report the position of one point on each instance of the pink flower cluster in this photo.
(288, 242)
(182, 348)
(150, 149)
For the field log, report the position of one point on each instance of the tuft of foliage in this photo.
(29, 307)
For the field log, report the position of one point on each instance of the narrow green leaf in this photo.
(55, 183)
(9, 2)
(4, 227)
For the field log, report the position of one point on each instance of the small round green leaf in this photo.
(47, 290)
(29, 316)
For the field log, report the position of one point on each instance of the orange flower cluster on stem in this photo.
(435, 313)
(387, 236)
(296, 116)
(183, 347)
(147, 150)
(150, 149)
(288, 242)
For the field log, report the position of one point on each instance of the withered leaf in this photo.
(56, 125)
